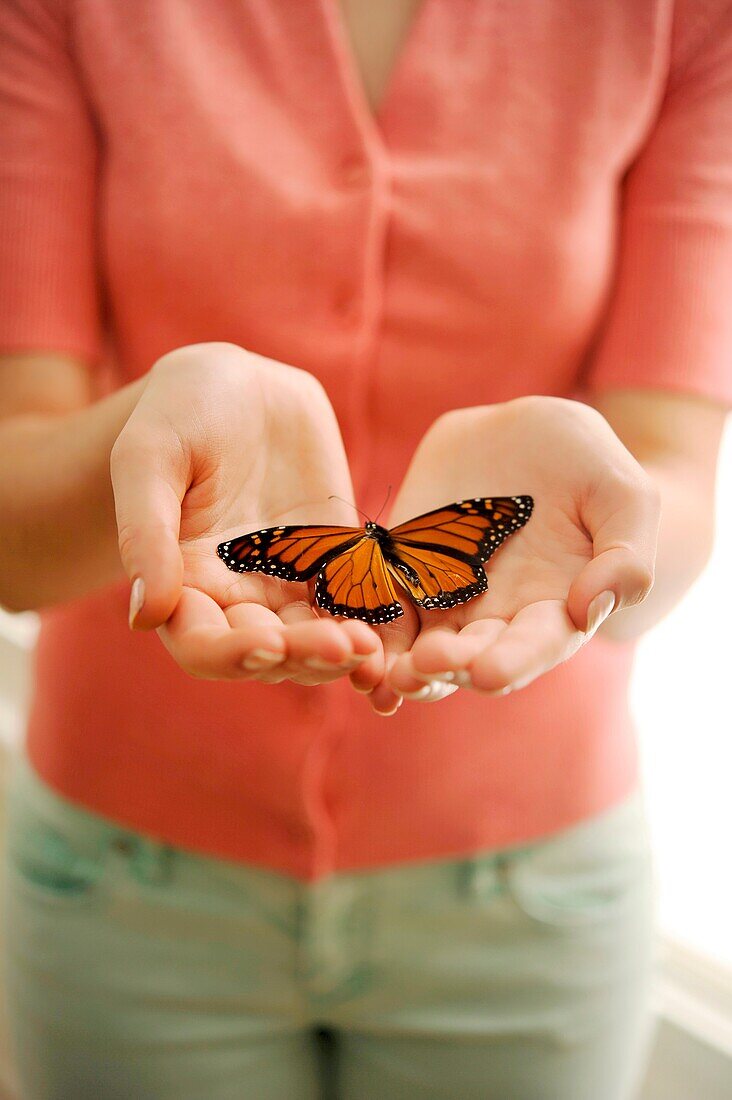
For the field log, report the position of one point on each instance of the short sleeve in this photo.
(48, 152)
(669, 319)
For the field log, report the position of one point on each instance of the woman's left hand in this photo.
(588, 549)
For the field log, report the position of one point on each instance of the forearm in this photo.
(58, 536)
(684, 544)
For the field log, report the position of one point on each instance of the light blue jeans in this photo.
(139, 972)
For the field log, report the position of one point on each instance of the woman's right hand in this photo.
(223, 441)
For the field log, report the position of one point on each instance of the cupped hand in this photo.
(588, 549)
(221, 442)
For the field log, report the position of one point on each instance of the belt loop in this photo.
(152, 861)
(480, 877)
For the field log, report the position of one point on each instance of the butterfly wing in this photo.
(294, 553)
(356, 583)
(439, 556)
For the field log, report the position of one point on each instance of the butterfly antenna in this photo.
(383, 506)
(348, 502)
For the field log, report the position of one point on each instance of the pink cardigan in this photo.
(543, 203)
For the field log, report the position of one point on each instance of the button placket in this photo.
(355, 171)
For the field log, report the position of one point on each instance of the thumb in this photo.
(149, 483)
(624, 530)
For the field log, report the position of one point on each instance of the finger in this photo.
(267, 650)
(539, 637)
(431, 692)
(368, 652)
(445, 655)
(317, 650)
(319, 645)
(365, 641)
(403, 677)
(149, 483)
(369, 673)
(200, 638)
(397, 637)
(624, 530)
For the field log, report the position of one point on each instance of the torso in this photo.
(440, 231)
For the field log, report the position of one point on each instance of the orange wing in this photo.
(356, 583)
(439, 556)
(292, 553)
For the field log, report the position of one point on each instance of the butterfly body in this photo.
(437, 558)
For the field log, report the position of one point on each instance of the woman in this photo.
(491, 246)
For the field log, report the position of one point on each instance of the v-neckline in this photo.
(374, 120)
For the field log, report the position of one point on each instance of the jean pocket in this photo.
(45, 862)
(52, 851)
(598, 872)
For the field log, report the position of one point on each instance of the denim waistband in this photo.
(81, 839)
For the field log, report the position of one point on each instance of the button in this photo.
(125, 845)
(355, 172)
(301, 830)
(346, 304)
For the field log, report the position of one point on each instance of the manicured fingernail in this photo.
(262, 658)
(137, 599)
(420, 693)
(353, 662)
(461, 677)
(599, 610)
(392, 711)
(362, 690)
(431, 693)
(502, 691)
(319, 665)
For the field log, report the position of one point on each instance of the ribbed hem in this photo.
(670, 320)
(48, 288)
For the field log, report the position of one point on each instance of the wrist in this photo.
(60, 496)
(686, 537)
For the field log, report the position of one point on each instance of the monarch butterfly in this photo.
(437, 557)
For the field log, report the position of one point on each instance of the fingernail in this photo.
(137, 599)
(362, 690)
(320, 665)
(420, 693)
(353, 662)
(461, 677)
(599, 610)
(502, 691)
(392, 711)
(431, 693)
(262, 658)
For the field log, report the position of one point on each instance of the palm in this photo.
(245, 596)
(521, 626)
(261, 448)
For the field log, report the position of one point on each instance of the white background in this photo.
(681, 694)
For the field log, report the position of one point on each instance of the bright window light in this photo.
(681, 695)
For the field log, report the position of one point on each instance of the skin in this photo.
(595, 529)
(172, 440)
(263, 449)
(179, 479)
(180, 483)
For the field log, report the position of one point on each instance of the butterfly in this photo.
(437, 558)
